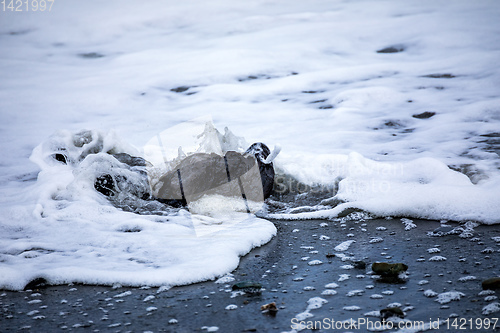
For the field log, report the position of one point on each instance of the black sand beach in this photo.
(285, 268)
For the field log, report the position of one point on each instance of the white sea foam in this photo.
(328, 292)
(491, 308)
(344, 246)
(357, 292)
(225, 279)
(437, 258)
(312, 304)
(331, 285)
(231, 307)
(342, 112)
(421, 188)
(433, 250)
(447, 297)
(467, 278)
(74, 234)
(352, 308)
(343, 277)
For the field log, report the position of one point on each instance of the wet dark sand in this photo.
(280, 266)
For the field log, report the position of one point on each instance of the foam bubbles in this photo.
(77, 234)
(412, 134)
(423, 188)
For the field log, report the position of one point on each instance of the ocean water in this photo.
(392, 107)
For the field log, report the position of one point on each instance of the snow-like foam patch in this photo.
(423, 188)
(491, 308)
(387, 129)
(447, 297)
(312, 304)
(344, 246)
(67, 232)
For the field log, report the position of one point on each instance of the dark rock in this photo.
(235, 174)
(386, 269)
(392, 49)
(391, 312)
(125, 183)
(105, 185)
(424, 115)
(198, 174)
(176, 203)
(37, 283)
(244, 174)
(260, 151)
(391, 279)
(359, 264)
(491, 283)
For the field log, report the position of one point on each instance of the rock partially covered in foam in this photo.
(264, 158)
(116, 172)
(249, 175)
